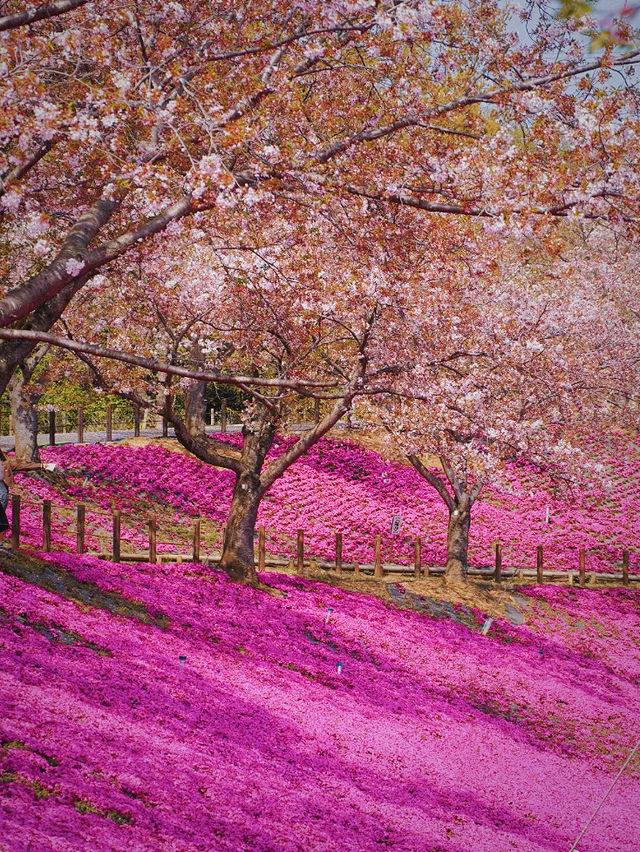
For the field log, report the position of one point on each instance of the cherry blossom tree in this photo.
(267, 322)
(119, 123)
(523, 357)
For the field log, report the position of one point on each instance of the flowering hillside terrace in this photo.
(165, 708)
(340, 486)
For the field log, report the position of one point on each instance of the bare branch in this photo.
(22, 19)
(434, 480)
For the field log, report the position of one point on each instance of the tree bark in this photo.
(237, 550)
(458, 543)
(25, 419)
(23, 403)
(194, 397)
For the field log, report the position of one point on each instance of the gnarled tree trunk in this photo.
(458, 497)
(23, 407)
(237, 552)
(195, 398)
(458, 543)
(25, 420)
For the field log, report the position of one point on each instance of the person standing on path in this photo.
(6, 482)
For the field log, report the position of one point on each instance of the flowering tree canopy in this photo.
(118, 123)
(518, 359)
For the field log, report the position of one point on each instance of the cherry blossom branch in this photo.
(22, 19)
(412, 120)
(12, 175)
(75, 346)
(62, 270)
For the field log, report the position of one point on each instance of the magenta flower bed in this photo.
(340, 486)
(431, 737)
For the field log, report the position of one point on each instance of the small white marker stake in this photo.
(182, 659)
(339, 668)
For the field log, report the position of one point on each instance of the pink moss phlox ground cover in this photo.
(431, 737)
(340, 486)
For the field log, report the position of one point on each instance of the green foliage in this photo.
(575, 9)
(235, 398)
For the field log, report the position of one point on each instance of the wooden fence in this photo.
(61, 421)
(300, 562)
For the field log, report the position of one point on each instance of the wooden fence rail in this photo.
(58, 422)
(378, 568)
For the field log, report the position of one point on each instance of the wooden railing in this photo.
(299, 561)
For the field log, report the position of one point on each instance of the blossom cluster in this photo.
(311, 719)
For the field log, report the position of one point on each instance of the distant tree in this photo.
(522, 358)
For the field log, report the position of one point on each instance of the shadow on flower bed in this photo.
(59, 580)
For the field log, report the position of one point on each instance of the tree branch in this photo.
(433, 480)
(25, 166)
(342, 405)
(154, 366)
(22, 19)
(57, 275)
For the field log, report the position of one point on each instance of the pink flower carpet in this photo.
(318, 720)
(341, 487)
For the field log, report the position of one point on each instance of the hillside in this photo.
(340, 486)
(206, 715)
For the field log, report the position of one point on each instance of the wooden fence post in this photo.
(109, 423)
(539, 564)
(46, 526)
(116, 536)
(223, 416)
(15, 521)
(339, 553)
(52, 426)
(497, 574)
(262, 549)
(377, 567)
(417, 558)
(196, 540)
(582, 567)
(80, 425)
(136, 421)
(316, 411)
(300, 552)
(152, 539)
(80, 517)
(165, 427)
(625, 567)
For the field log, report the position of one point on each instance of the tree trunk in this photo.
(195, 397)
(237, 553)
(458, 544)
(25, 419)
